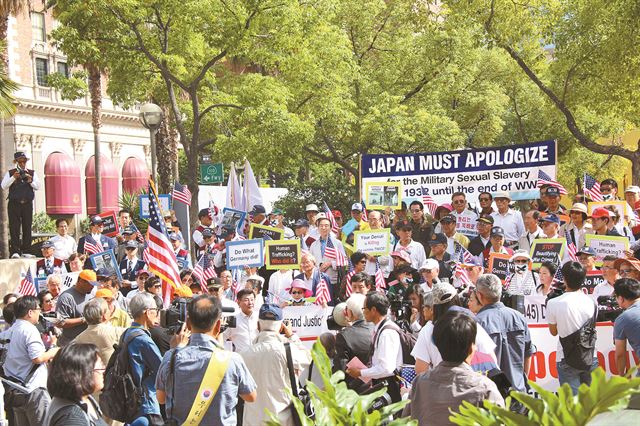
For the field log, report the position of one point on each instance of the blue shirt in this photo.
(190, 364)
(144, 358)
(509, 331)
(627, 326)
(26, 344)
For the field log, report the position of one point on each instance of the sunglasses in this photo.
(297, 292)
(521, 261)
(625, 271)
(158, 286)
(458, 202)
(485, 199)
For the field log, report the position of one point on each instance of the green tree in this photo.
(582, 55)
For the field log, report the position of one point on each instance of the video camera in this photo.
(401, 310)
(175, 316)
(47, 324)
(513, 301)
(608, 308)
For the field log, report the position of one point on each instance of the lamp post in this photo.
(151, 117)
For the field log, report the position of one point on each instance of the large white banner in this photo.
(308, 322)
(511, 168)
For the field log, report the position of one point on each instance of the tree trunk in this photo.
(192, 182)
(167, 150)
(4, 218)
(95, 91)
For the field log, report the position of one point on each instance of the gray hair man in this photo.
(266, 360)
(507, 328)
(99, 330)
(353, 340)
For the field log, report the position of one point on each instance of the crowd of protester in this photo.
(430, 303)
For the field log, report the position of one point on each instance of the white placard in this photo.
(374, 242)
(245, 253)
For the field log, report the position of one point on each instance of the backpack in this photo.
(407, 342)
(121, 398)
(579, 347)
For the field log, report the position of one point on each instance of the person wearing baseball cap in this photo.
(266, 360)
(131, 263)
(523, 281)
(301, 229)
(95, 241)
(404, 230)
(552, 198)
(357, 210)
(449, 229)
(311, 211)
(277, 221)
(508, 219)
(479, 243)
(587, 258)
(204, 216)
(600, 220)
(550, 225)
(496, 245)
(21, 184)
(49, 264)
(69, 306)
(438, 244)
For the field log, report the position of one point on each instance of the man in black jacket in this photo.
(482, 241)
(354, 340)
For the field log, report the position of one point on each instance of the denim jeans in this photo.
(573, 376)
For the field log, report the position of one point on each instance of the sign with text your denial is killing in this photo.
(512, 168)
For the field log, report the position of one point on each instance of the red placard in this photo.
(111, 227)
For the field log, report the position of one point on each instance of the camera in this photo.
(229, 320)
(513, 301)
(401, 310)
(47, 324)
(175, 315)
(608, 308)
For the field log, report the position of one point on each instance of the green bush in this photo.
(43, 224)
(604, 394)
(338, 405)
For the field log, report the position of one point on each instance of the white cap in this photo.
(311, 208)
(633, 188)
(520, 253)
(356, 206)
(320, 215)
(430, 264)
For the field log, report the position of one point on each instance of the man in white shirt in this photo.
(610, 275)
(532, 229)
(64, 243)
(387, 350)
(465, 218)
(550, 226)
(319, 249)
(566, 314)
(508, 219)
(415, 250)
(311, 211)
(448, 224)
(246, 329)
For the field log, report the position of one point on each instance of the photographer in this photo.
(182, 372)
(21, 183)
(24, 365)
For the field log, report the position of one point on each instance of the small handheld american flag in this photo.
(332, 252)
(91, 248)
(571, 246)
(381, 284)
(181, 193)
(545, 179)
(332, 219)
(204, 270)
(322, 292)
(429, 203)
(592, 188)
(27, 288)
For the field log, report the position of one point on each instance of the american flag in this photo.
(331, 252)
(365, 216)
(159, 254)
(462, 275)
(91, 248)
(204, 270)
(571, 246)
(545, 179)
(592, 188)
(27, 288)
(557, 277)
(349, 287)
(461, 254)
(181, 193)
(381, 284)
(334, 224)
(322, 292)
(429, 204)
(139, 236)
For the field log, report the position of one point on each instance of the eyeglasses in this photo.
(415, 210)
(297, 292)
(484, 199)
(625, 271)
(158, 286)
(152, 309)
(521, 261)
(458, 202)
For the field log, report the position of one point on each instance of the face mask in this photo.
(607, 197)
(521, 268)
(406, 280)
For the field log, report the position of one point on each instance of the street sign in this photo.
(211, 173)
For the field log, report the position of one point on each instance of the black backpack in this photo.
(407, 341)
(579, 347)
(121, 397)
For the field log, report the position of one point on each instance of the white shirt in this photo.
(579, 234)
(602, 289)
(97, 238)
(245, 332)
(569, 312)
(64, 246)
(415, 250)
(316, 251)
(8, 180)
(387, 354)
(466, 222)
(511, 222)
(280, 282)
(425, 350)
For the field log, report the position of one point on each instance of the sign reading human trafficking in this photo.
(438, 175)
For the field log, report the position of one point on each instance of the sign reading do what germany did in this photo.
(512, 168)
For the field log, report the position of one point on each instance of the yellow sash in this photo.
(209, 386)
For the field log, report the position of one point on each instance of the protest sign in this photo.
(535, 309)
(232, 217)
(380, 195)
(40, 283)
(349, 227)
(620, 206)
(512, 168)
(592, 279)
(106, 260)
(373, 242)
(245, 253)
(543, 369)
(143, 202)
(500, 266)
(308, 322)
(547, 250)
(283, 254)
(605, 245)
(265, 232)
(111, 228)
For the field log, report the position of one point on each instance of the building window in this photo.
(37, 27)
(42, 71)
(63, 69)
